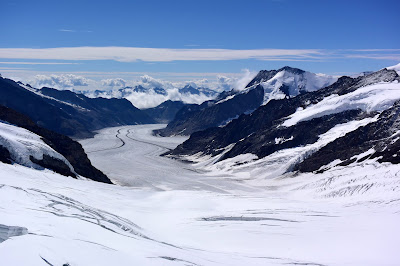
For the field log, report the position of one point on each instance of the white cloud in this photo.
(117, 82)
(151, 99)
(150, 82)
(242, 82)
(131, 54)
(67, 30)
(64, 81)
(37, 63)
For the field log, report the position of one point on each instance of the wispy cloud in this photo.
(37, 63)
(67, 30)
(132, 54)
(376, 56)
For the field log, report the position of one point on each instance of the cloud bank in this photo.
(124, 88)
(64, 81)
(117, 82)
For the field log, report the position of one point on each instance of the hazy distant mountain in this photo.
(165, 112)
(126, 92)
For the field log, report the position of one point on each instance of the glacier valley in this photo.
(165, 211)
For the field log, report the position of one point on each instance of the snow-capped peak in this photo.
(291, 82)
(395, 68)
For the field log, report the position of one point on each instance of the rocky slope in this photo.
(363, 108)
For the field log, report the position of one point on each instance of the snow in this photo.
(395, 68)
(22, 144)
(377, 97)
(306, 81)
(345, 216)
(226, 99)
(280, 162)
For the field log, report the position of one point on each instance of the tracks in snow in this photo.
(145, 142)
(113, 148)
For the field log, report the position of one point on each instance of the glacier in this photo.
(173, 213)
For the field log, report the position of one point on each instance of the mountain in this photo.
(23, 142)
(211, 113)
(189, 89)
(165, 112)
(267, 85)
(128, 91)
(67, 112)
(350, 120)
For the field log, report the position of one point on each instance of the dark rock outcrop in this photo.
(5, 156)
(54, 164)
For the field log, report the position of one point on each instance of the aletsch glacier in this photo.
(221, 210)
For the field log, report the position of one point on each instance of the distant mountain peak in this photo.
(292, 70)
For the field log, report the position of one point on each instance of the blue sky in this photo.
(196, 38)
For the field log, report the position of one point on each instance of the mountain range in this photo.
(267, 85)
(66, 112)
(351, 120)
(127, 91)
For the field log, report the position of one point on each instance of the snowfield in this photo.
(172, 213)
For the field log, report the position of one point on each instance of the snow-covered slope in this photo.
(373, 98)
(395, 68)
(24, 142)
(23, 145)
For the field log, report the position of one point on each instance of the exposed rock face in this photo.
(261, 132)
(5, 156)
(54, 164)
(69, 113)
(64, 145)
